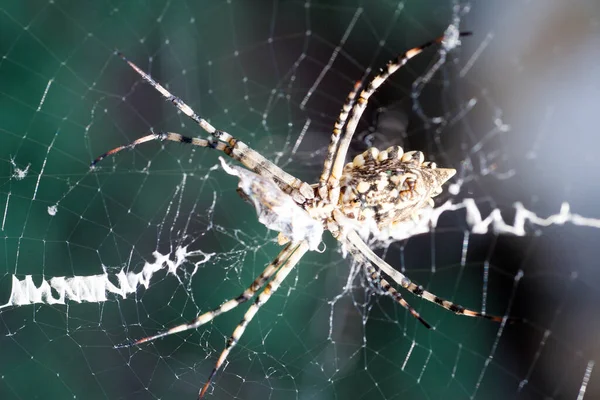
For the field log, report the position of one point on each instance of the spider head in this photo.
(389, 187)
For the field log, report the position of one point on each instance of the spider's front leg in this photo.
(229, 304)
(220, 140)
(297, 252)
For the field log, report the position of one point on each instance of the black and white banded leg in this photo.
(229, 304)
(402, 280)
(359, 107)
(297, 253)
(220, 140)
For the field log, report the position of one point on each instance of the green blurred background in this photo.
(247, 66)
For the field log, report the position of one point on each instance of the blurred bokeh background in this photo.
(514, 109)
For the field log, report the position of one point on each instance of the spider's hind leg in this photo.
(375, 276)
(358, 245)
(418, 290)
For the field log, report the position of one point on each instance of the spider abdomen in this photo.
(389, 186)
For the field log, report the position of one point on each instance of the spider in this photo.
(375, 192)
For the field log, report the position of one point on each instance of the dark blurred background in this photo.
(513, 109)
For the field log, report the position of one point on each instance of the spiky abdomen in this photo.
(390, 186)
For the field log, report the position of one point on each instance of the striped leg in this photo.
(406, 283)
(174, 137)
(361, 104)
(335, 138)
(233, 147)
(298, 251)
(177, 102)
(375, 276)
(230, 304)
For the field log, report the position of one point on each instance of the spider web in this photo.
(94, 259)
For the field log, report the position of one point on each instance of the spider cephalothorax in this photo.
(370, 195)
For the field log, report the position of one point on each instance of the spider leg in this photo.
(335, 138)
(229, 304)
(298, 251)
(174, 137)
(406, 283)
(376, 278)
(235, 148)
(361, 104)
(177, 102)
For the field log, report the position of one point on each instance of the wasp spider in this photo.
(377, 190)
